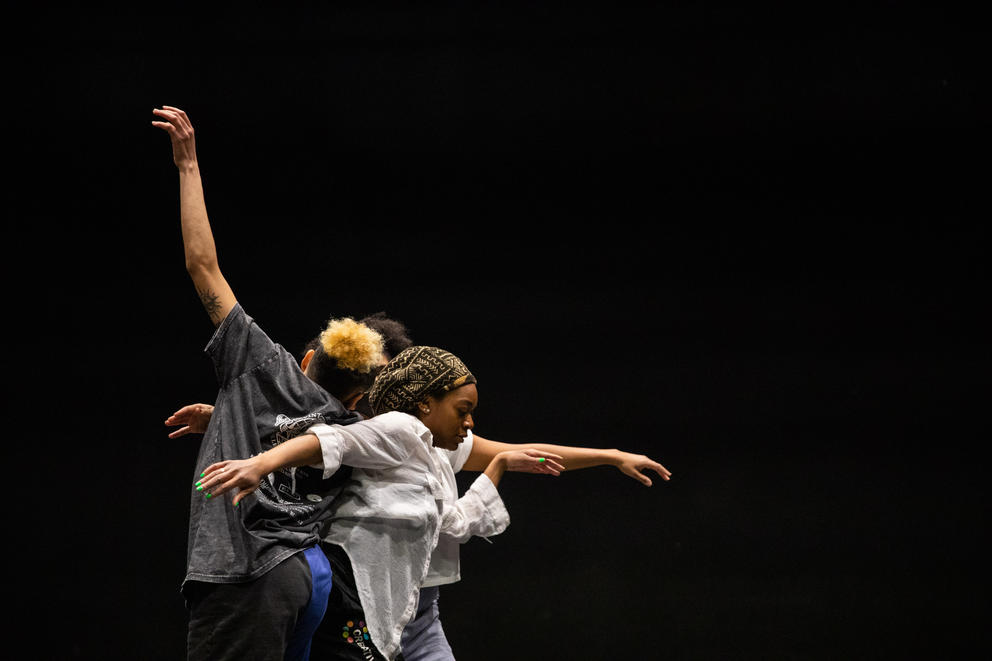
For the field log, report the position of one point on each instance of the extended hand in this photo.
(193, 417)
(532, 461)
(245, 474)
(180, 131)
(633, 464)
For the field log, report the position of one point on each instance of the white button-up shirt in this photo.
(402, 499)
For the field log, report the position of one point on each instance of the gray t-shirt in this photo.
(263, 400)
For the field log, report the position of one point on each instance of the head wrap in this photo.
(414, 374)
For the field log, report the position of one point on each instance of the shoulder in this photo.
(398, 422)
(235, 317)
(235, 329)
(401, 427)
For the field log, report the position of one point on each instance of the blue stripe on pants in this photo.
(298, 648)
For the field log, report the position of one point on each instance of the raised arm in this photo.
(572, 458)
(198, 240)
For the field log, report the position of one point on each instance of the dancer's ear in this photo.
(305, 361)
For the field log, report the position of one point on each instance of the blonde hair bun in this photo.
(353, 345)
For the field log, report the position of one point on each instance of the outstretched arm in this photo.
(246, 474)
(198, 240)
(370, 444)
(572, 458)
(530, 460)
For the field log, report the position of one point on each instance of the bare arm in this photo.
(376, 444)
(198, 240)
(308, 450)
(246, 474)
(572, 458)
(529, 460)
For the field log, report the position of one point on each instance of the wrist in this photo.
(614, 457)
(497, 466)
(261, 463)
(188, 167)
(502, 460)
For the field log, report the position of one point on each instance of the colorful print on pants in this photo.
(358, 634)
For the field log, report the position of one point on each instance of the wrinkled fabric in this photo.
(263, 399)
(389, 520)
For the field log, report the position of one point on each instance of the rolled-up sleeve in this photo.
(380, 443)
(479, 512)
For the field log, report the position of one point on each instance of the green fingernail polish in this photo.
(210, 495)
(541, 460)
(202, 474)
(198, 482)
(199, 488)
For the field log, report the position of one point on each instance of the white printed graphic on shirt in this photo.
(280, 489)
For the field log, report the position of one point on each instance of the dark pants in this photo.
(251, 621)
(342, 634)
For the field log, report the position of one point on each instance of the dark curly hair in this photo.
(395, 336)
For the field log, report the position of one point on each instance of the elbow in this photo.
(199, 266)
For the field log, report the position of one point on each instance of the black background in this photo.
(742, 239)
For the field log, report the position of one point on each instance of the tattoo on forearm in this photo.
(210, 302)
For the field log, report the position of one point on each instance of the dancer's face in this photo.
(450, 416)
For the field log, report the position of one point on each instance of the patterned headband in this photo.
(412, 375)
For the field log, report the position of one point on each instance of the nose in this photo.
(469, 423)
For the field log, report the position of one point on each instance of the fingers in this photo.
(180, 417)
(166, 126)
(216, 480)
(180, 118)
(179, 432)
(171, 113)
(208, 478)
(545, 469)
(187, 410)
(177, 122)
(176, 419)
(661, 470)
(637, 463)
(633, 472)
(219, 478)
(657, 468)
(241, 494)
(169, 116)
(551, 463)
(547, 463)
